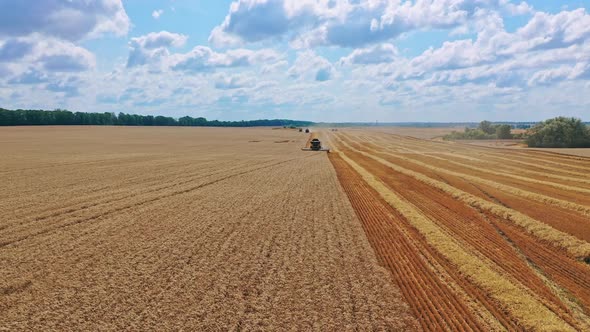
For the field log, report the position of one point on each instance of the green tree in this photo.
(487, 127)
(503, 131)
(560, 132)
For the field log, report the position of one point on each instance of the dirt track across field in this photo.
(476, 238)
(107, 228)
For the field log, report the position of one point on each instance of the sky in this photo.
(318, 60)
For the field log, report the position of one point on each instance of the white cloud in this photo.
(71, 20)
(39, 40)
(312, 67)
(224, 82)
(345, 23)
(381, 53)
(47, 54)
(518, 9)
(157, 13)
(151, 48)
(160, 39)
(203, 59)
(545, 31)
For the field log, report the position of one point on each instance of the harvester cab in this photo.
(316, 145)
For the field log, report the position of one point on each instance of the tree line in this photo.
(65, 118)
(560, 132)
(485, 130)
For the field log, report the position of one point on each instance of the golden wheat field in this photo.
(139, 228)
(182, 229)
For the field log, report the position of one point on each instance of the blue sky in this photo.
(320, 60)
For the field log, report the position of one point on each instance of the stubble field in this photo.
(476, 238)
(107, 228)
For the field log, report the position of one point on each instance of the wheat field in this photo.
(123, 228)
(131, 228)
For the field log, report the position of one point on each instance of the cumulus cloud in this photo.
(381, 53)
(61, 56)
(152, 47)
(518, 9)
(202, 59)
(344, 23)
(64, 19)
(49, 54)
(564, 72)
(39, 38)
(533, 54)
(310, 66)
(545, 31)
(223, 82)
(154, 50)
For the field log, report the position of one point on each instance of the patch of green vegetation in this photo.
(560, 132)
(485, 130)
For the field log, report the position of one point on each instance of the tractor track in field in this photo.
(108, 195)
(111, 196)
(103, 214)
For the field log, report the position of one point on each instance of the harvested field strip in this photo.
(531, 158)
(530, 313)
(584, 210)
(470, 227)
(471, 153)
(563, 220)
(567, 192)
(570, 186)
(539, 194)
(459, 165)
(568, 273)
(512, 169)
(556, 157)
(553, 153)
(573, 245)
(533, 165)
(436, 306)
(528, 157)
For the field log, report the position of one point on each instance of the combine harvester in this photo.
(316, 145)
